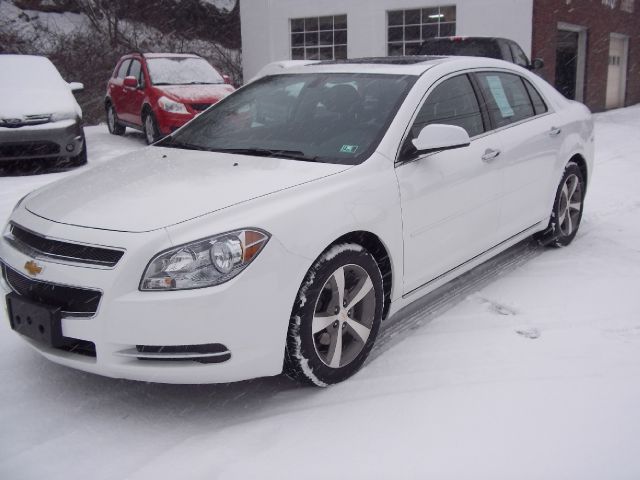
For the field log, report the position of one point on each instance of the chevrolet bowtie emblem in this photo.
(33, 268)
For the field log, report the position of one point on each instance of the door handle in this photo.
(555, 131)
(490, 154)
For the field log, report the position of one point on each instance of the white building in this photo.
(289, 29)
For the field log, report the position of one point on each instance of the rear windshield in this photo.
(182, 71)
(470, 47)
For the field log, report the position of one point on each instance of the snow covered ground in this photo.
(528, 368)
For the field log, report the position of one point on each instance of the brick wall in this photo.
(600, 20)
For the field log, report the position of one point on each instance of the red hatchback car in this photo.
(159, 92)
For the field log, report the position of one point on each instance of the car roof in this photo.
(165, 55)
(409, 65)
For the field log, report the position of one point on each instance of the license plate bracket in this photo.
(42, 323)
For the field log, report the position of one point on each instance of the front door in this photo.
(133, 97)
(450, 200)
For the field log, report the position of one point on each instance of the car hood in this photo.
(196, 93)
(35, 102)
(158, 187)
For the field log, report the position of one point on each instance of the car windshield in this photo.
(471, 47)
(182, 71)
(329, 117)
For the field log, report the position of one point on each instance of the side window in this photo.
(453, 102)
(135, 70)
(124, 66)
(538, 103)
(519, 58)
(507, 99)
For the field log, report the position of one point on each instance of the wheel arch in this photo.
(582, 165)
(374, 245)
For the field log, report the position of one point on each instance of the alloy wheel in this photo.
(570, 205)
(343, 316)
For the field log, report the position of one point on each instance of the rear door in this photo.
(116, 88)
(530, 136)
(451, 199)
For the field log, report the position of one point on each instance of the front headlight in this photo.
(172, 106)
(204, 263)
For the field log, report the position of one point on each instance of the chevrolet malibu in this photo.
(279, 229)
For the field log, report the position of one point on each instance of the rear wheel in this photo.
(115, 128)
(151, 133)
(336, 317)
(568, 206)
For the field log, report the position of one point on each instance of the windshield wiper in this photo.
(171, 143)
(265, 152)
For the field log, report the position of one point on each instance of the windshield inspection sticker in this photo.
(349, 149)
(497, 90)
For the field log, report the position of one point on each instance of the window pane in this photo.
(412, 33)
(326, 23)
(395, 34)
(340, 52)
(297, 39)
(395, 49)
(311, 39)
(124, 66)
(453, 102)
(430, 15)
(429, 31)
(412, 48)
(326, 53)
(507, 99)
(297, 54)
(297, 25)
(326, 38)
(311, 24)
(340, 21)
(134, 70)
(447, 29)
(448, 14)
(412, 17)
(396, 17)
(538, 104)
(340, 37)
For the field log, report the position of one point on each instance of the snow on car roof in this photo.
(29, 70)
(165, 55)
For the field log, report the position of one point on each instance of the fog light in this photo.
(70, 147)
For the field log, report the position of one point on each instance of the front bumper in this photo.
(169, 122)
(248, 315)
(47, 140)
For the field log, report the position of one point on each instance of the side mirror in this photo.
(76, 86)
(131, 82)
(537, 64)
(227, 79)
(437, 137)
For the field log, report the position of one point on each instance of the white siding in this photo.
(265, 24)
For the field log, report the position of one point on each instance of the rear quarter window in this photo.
(506, 97)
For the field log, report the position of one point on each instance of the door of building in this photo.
(616, 77)
(570, 61)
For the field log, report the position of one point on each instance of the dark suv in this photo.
(159, 92)
(492, 47)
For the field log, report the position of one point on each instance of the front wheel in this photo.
(568, 206)
(336, 317)
(150, 128)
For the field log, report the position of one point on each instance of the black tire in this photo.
(150, 128)
(567, 212)
(306, 359)
(115, 128)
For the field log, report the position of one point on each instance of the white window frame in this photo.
(319, 31)
(420, 25)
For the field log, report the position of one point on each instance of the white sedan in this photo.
(280, 228)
